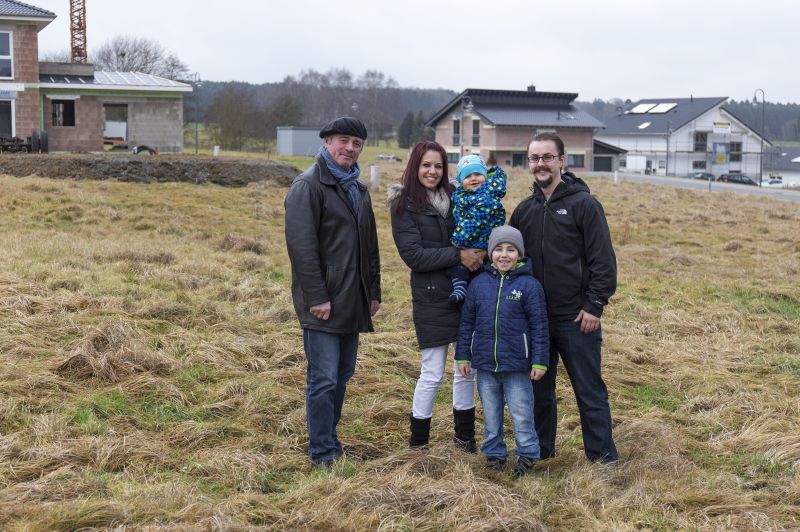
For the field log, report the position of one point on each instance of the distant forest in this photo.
(244, 115)
(240, 113)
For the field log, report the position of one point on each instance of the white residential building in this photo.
(681, 136)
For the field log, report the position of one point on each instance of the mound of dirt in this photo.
(148, 169)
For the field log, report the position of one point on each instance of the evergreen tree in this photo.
(405, 131)
(419, 128)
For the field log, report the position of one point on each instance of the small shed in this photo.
(302, 141)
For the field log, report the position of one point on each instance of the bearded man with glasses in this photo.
(565, 230)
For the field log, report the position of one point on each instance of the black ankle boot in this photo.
(420, 432)
(464, 421)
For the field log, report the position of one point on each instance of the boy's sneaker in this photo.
(524, 466)
(324, 465)
(495, 464)
(459, 293)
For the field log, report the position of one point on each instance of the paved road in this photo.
(696, 184)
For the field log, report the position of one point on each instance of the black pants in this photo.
(581, 355)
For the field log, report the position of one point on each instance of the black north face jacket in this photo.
(568, 241)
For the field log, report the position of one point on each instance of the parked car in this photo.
(704, 175)
(391, 157)
(740, 179)
(773, 182)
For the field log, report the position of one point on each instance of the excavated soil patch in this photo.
(148, 168)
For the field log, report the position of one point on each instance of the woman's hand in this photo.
(472, 259)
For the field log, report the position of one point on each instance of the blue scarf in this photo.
(347, 178)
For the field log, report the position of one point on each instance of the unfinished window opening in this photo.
(63, 113)
(116, 122)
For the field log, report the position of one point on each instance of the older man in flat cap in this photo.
(333, 248)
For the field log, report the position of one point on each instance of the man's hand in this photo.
(472, 259)
(464, 369)
(589, 322)
(373, 307)
(321, 311)
(536, 374)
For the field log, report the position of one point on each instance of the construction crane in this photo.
(77, 19)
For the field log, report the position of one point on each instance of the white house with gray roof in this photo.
(681, 136)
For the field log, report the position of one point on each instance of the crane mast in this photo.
(77, 19)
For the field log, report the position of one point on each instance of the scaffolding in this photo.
(77, 18)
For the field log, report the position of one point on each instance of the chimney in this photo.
(531, 88)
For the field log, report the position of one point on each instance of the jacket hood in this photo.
(524, 267)
(394, 191)
(570, 184)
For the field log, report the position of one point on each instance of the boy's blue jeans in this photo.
(331, 362)
(513, 388)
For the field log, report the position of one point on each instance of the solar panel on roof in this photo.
(662, 108)
(642, 108)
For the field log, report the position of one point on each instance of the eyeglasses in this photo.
(547, 157)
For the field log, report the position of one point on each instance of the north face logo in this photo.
(561, 211)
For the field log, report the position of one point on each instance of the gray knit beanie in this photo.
(506, 234)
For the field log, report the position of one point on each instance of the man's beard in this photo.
(543, 183)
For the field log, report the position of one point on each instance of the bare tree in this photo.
(380, 97)
(138, 54)
(232, 112)
(58, 56)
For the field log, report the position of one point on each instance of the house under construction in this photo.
(73, 106)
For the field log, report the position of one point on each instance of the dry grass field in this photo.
(152, 373)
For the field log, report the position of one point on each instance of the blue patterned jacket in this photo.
(478, 212)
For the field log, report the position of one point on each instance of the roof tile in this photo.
(19, 9)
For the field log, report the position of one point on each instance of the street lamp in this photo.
(761, 135)
(197, 83)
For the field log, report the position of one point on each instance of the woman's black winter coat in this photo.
(423, 241)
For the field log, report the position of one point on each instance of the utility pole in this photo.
(77, 19)
(761, 134)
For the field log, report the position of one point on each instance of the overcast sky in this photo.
(614, 48)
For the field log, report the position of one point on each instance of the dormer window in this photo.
(6, 61)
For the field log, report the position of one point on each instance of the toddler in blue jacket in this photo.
(477, 210)
(504, 336)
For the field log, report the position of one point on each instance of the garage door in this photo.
(602, 164)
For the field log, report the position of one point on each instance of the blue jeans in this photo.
(581, 355)
(331, 362)
(513, 387)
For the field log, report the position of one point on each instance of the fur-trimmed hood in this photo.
(393, 192)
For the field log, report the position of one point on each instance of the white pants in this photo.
(431, 376)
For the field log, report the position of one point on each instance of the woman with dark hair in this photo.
(422, 222)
